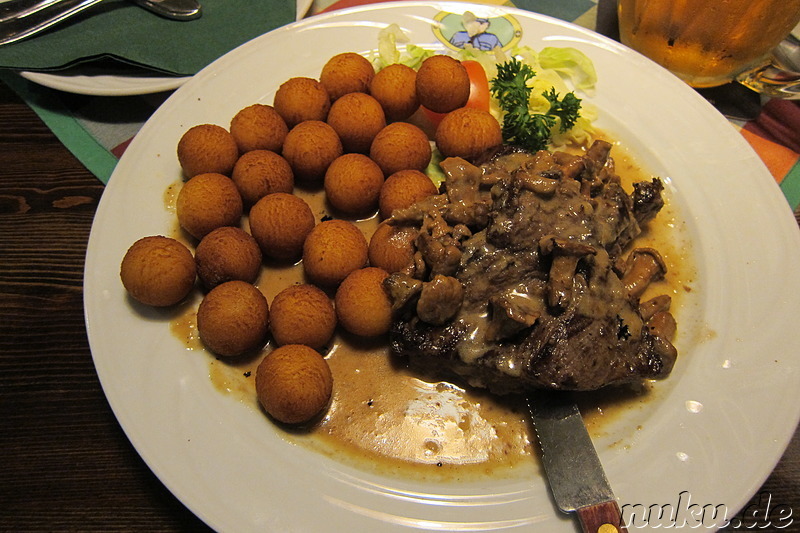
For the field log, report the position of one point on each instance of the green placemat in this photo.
(121, 30)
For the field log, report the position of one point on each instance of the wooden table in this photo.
(65, 463)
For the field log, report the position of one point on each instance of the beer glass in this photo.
(708, 43)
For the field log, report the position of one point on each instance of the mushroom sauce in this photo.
(384, 417)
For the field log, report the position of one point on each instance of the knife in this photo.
(573, 469)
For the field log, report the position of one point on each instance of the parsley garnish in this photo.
(520, 126)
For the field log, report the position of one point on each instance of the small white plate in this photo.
(82, 81)
(716, 430)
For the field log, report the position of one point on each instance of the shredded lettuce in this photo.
(564, 69)
(433, 170)
(571, 63)
(389, 53)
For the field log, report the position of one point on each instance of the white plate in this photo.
(721, 421)
(89, 81)
(81, 80)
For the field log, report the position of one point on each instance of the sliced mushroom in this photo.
(566, 255)
(662, 325)
(441, 256)
(667, 354)
(573, 169)
(401, 288)
(417, 267)
(463, 180)
(643, 266)
(538, 183)
(511, 313)
(654, 305)
(598, 154)
(440, 300)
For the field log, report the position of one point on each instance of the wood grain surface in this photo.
(65, 463)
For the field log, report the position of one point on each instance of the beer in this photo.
(706, 42)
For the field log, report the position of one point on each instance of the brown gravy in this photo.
(383, 417)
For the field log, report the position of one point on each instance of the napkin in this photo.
(123, 31)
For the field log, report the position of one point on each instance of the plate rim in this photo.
(403, 4)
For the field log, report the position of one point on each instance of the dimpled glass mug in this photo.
(708, 43)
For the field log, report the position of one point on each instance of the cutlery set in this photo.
(23, 18)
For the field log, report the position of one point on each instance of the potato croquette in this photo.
(346, 73)
(442, 84)
(332, 250)
(280, 223)
(468, 133)
(403, 189)
(299, 99)
(294, 384)
(207, 202)
(353, 183)
(357, 118)
(310, 147)
(158, 271)
(227, 254)
(395, 88)
(233, 319)
(207, 148)
(391, 247)
(261, 172)
(302, 314)
(401, 146)
(362, 305)
(258, 127)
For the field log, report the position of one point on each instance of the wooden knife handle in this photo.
(601, 518)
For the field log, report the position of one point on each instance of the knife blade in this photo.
(574, 471)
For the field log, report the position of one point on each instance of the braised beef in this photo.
(519, 279)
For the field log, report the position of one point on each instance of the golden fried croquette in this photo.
(400, 146)
(299, 99)
(233, 319)
(346, 73)
(309, 148)
(302, 314)
(395, 88)
(280, 223)
(442, 84)
(403, 189)
(332, 250)
(207, 148)
(357, 118)
(227, 254)
(158, 271)
(362, 304)
(391, 247)
(258, 173)
(468, 132)
(353, 183)
(294, 383)
(258, 127)
(207, 202)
